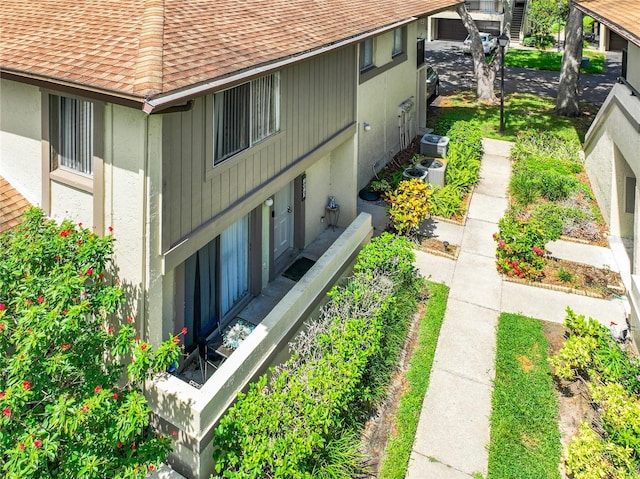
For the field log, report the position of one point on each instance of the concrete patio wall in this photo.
(193, 413)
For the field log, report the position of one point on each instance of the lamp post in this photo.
(559, 5)
(503, 41)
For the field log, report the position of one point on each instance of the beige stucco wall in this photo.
(20, 138)
(71, 203)
(379, 99)
(318, 181)
(611, 155)
(611, 148)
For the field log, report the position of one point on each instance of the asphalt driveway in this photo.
(456, 72)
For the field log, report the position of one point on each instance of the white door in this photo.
(282, 221)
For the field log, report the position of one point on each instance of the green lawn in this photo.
(550, 60)
(521, 110)
(525, 440)
(396, 456)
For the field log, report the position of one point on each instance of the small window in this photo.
(398, 42)
(366, 54)
(246, 114)
(72, 134)
(630, 195)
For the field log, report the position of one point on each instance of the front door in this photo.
(282, 221)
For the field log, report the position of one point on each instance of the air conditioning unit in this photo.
(434, 145)
(436, 170)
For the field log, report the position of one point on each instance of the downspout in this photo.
(145, 232)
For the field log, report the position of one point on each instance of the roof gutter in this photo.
(72, 88)
(157, 104)
(613, 26)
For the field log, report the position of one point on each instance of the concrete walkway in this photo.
(453, 431)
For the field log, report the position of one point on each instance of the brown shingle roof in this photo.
(141, 48)
(12, 206)
(622, 16)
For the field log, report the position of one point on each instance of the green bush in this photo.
(539, 41)
(528, 183)
(445, 202)
(612, 376)
(521, 246)
(524, 187)
(299, 421)
(541, 145)
(469, 134)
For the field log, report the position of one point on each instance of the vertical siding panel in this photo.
(186, 199)
(264, 166)
(215, 195)
(241, 186)
(224, 189)
(317, 99)
(205, 116)
(197, 165)
(167, 184)
(233, 183)
(175, 179)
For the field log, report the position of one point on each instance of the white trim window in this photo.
(72, 134)
(245, 115)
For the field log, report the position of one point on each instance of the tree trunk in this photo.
(568, 102)
(507, 5)
(485, 73)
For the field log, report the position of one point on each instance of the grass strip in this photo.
(522, 111)
(525, 439)
(550, 60)
(396, 457)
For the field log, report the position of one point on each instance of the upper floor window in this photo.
(72, 134)
(398, 42)
(246, 114)
(366, 54)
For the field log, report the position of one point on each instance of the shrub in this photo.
(469, 134)
(543, 145)
(521, 247)
(409, 206)
(445, 202)
(71, 406)
(591, 354)
(298, 421)
(539, 41)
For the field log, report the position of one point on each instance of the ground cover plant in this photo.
(405, 421)
(550, 60)
(608, 372)
(304, 420)
(525, 440)
(71, 406)
(522, 112)
(550, 198)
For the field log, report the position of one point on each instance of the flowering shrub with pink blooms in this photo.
(521, 249)
(70, 406)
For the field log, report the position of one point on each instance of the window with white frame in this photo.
(366, 54)
(246, 114)
(72, 134)
(398, 42)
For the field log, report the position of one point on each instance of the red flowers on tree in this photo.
(81, 380)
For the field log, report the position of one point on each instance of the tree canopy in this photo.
(70, 405)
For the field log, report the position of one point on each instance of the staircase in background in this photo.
(516, 21)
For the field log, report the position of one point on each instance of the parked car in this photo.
(489, 43)
(433, 83)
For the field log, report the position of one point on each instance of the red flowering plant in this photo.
(521, 249)
(70, 406)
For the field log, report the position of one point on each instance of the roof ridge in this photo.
(148, 70)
